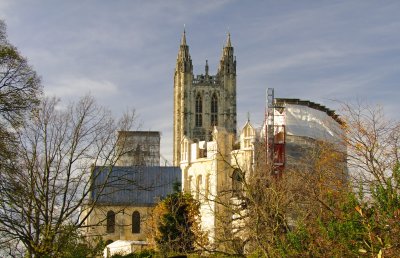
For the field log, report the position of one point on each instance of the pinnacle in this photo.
(228, 40)
(183, 41)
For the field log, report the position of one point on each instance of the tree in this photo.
(58, 148)
(20, 90)
(176, 223)
(363, 219)
(259, 209)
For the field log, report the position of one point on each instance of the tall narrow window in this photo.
(207, 190)
(199, 111)
(199, 186)
(110, 222)
(135, 222)
(190, 183)
(237, 180)
(214, 110)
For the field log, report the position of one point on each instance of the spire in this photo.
(228, 40)
(206, 67)
(184, 62)
(227, 63)
(183, 41)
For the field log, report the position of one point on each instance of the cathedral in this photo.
(205, 137)
(217, 162)
(203, 101)
(211, 161)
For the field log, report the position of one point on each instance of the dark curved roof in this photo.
(329, 112)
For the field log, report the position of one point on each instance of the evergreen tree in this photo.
(177, 228)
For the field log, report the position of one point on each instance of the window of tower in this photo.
(214, 110)
(199, 111)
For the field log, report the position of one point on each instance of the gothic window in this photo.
(110, 222)
(237, 180)
(190, 183)
(199, 111)
(198, 186)
(207, 190)
(136, 222)
(214, 110)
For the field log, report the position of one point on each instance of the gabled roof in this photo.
(247, 124)
(141, 186)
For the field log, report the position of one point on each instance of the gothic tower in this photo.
(204, 101)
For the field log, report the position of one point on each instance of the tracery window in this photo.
(110, 222)
(199, 111)
(214, 110)
(136, 222)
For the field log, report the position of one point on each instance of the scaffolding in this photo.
(275, 133)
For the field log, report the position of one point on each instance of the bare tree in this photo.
(58, 149)
(373, 143)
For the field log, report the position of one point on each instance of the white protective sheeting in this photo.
(308, 122)
(123, 247)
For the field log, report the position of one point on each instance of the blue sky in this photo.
(124, 52)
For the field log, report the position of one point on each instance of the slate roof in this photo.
(141, 186)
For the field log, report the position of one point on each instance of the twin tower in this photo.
(203, 101)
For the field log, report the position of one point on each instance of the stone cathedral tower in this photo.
(203, 101)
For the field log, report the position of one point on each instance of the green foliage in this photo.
(20, 86)
(177, 227)
(20, 90)
(356, 227)
(142, 254)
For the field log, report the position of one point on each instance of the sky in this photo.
(124, 52)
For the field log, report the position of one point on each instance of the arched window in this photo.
(190, 183)
(237, 180)
(135, 222)
(207, 190)
(214, 110)
(199, 183)
(110, 222)
(199, 111)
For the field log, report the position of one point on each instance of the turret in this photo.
(182, 84)
(227, 64)
(227, 77)
(184, 61)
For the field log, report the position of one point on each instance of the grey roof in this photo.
(133, 185)
(141, 133)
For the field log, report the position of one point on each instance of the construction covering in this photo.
(313, 123)
(123, 247)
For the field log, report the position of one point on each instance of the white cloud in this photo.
(75, 87)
